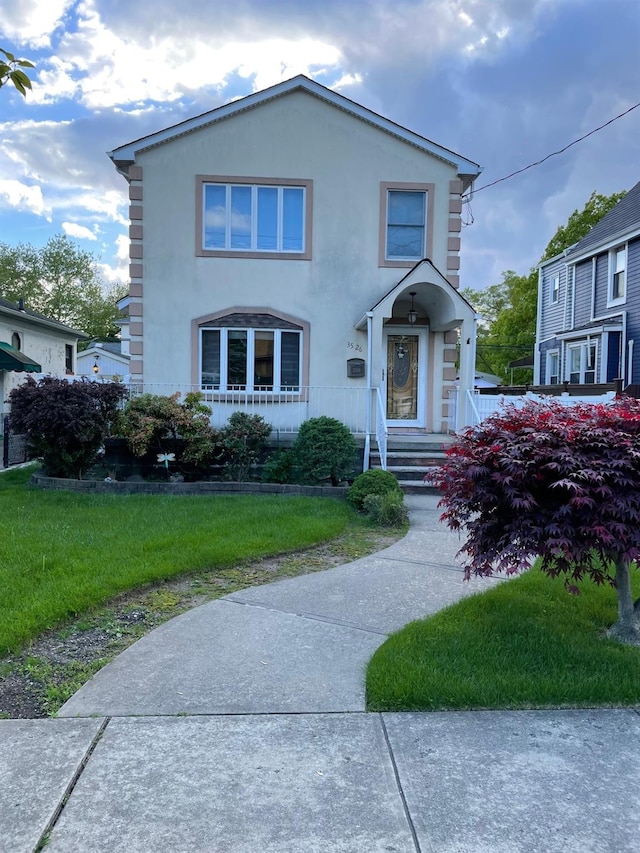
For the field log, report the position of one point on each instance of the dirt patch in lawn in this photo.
(39, 679)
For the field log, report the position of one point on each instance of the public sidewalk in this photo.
(240, 727)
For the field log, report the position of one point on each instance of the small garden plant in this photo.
(372, 482)
(243, 441)
(553, 481)
(324, 450)
(165, 426)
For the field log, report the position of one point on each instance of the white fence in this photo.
(480, 406)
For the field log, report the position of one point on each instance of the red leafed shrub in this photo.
(65, 422)
(555, 481)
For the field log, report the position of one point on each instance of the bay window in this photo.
(252, 359)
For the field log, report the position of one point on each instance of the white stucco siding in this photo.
(47, 348)
(299, 137)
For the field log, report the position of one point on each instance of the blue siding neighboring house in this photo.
(588, 327)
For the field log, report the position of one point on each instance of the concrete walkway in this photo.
(239, 727)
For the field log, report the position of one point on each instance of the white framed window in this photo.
(617, 275)
(253, 217)
(581, 363)
(553, 367)
(250, 359)
(554, 290)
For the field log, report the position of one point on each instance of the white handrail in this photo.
(381, 429)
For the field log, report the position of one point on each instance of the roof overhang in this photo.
(13, 359)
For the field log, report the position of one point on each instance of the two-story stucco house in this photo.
(298, 254)
(589, 304)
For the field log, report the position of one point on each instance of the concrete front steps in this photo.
(411, 456)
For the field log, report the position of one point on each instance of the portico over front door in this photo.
(405, 377)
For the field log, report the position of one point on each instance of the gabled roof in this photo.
(125, 155)
(11, 309)
(621, 222)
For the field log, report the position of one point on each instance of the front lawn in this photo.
(63, 553)
(526, 643)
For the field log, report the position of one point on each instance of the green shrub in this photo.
(243, 441)
(373, 482)
(279, 467)
(156, 424)
(324, 450)
(388, 510)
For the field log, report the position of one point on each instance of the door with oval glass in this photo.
(405, 377)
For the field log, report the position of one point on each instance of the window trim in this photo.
(208, 321)
(612, 270)
(554, 289)
(403, 186)
(550, 354)
(584, 347)
(245, 180)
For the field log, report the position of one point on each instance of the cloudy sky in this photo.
(502, 82)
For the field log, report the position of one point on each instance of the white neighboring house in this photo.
(103, 361)
(295, 253)
(32, 344)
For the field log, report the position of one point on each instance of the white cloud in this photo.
(31, 22)
(24, 197)
(81, 232)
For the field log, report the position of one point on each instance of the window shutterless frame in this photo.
(251, 359)
(253, 217)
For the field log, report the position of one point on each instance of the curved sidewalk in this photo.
(239, 727)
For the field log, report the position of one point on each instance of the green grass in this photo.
(527, 643)
(62, 554)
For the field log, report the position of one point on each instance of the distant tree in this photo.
(580, 223)
(509, 309)
(553, 481)
(61, 281)
(11, 71)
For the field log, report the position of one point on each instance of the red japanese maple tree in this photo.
(555, 481)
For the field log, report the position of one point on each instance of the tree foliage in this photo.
(508, 329)
(11, 71)
(553, 481)
(65, 422)
(61, 281)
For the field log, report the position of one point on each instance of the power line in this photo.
(467, 196)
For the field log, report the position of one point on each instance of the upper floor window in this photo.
(554, 290)
(254, 218)
(405, 223)
(16, 342)
(617, 274)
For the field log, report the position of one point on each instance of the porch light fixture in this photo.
(95, 367)
(413, 314)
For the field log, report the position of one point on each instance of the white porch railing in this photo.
(284, 410)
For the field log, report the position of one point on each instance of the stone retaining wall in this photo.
(200, 488)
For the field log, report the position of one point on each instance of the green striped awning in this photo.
(13, 359)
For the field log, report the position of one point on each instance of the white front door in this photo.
(405, 372)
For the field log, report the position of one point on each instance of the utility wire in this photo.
(467, 196)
